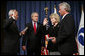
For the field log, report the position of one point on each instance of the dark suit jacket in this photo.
(52, 31)
(11, 39)
(33, 41)
(66, 36)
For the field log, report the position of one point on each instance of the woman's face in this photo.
(53, 20)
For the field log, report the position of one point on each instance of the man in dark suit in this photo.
(10, 45)
(66, 34)
(33, 36)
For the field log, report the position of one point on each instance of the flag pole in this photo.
(55, 11)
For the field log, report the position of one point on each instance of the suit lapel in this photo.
(16, 28)
(32, 26)
(62, 21)
(37, 27)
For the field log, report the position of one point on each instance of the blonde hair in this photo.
(56, 16)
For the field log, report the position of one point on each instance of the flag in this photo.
(80, 35)
(46, 40)
(44, 51)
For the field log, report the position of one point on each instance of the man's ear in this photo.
(66, 9)
(13, 14)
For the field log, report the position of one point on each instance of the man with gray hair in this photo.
(66, 34)
(13, 14)
(10, 42)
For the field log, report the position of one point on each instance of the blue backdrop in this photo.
(25, 8)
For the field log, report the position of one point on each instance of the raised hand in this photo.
(45, 21)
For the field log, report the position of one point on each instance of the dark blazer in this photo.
(11, 39)
(66, 36)
(33, 40)
(52, 31)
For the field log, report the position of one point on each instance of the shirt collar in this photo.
(13, 17)
(33, 23)
(64, 15)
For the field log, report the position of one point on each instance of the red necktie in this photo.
(35, 27)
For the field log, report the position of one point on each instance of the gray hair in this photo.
(11, 12)
(66, 6)
(33, 13)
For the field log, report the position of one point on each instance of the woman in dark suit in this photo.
(52, 31)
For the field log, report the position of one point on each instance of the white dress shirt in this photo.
(33, 24)
(64, 15)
